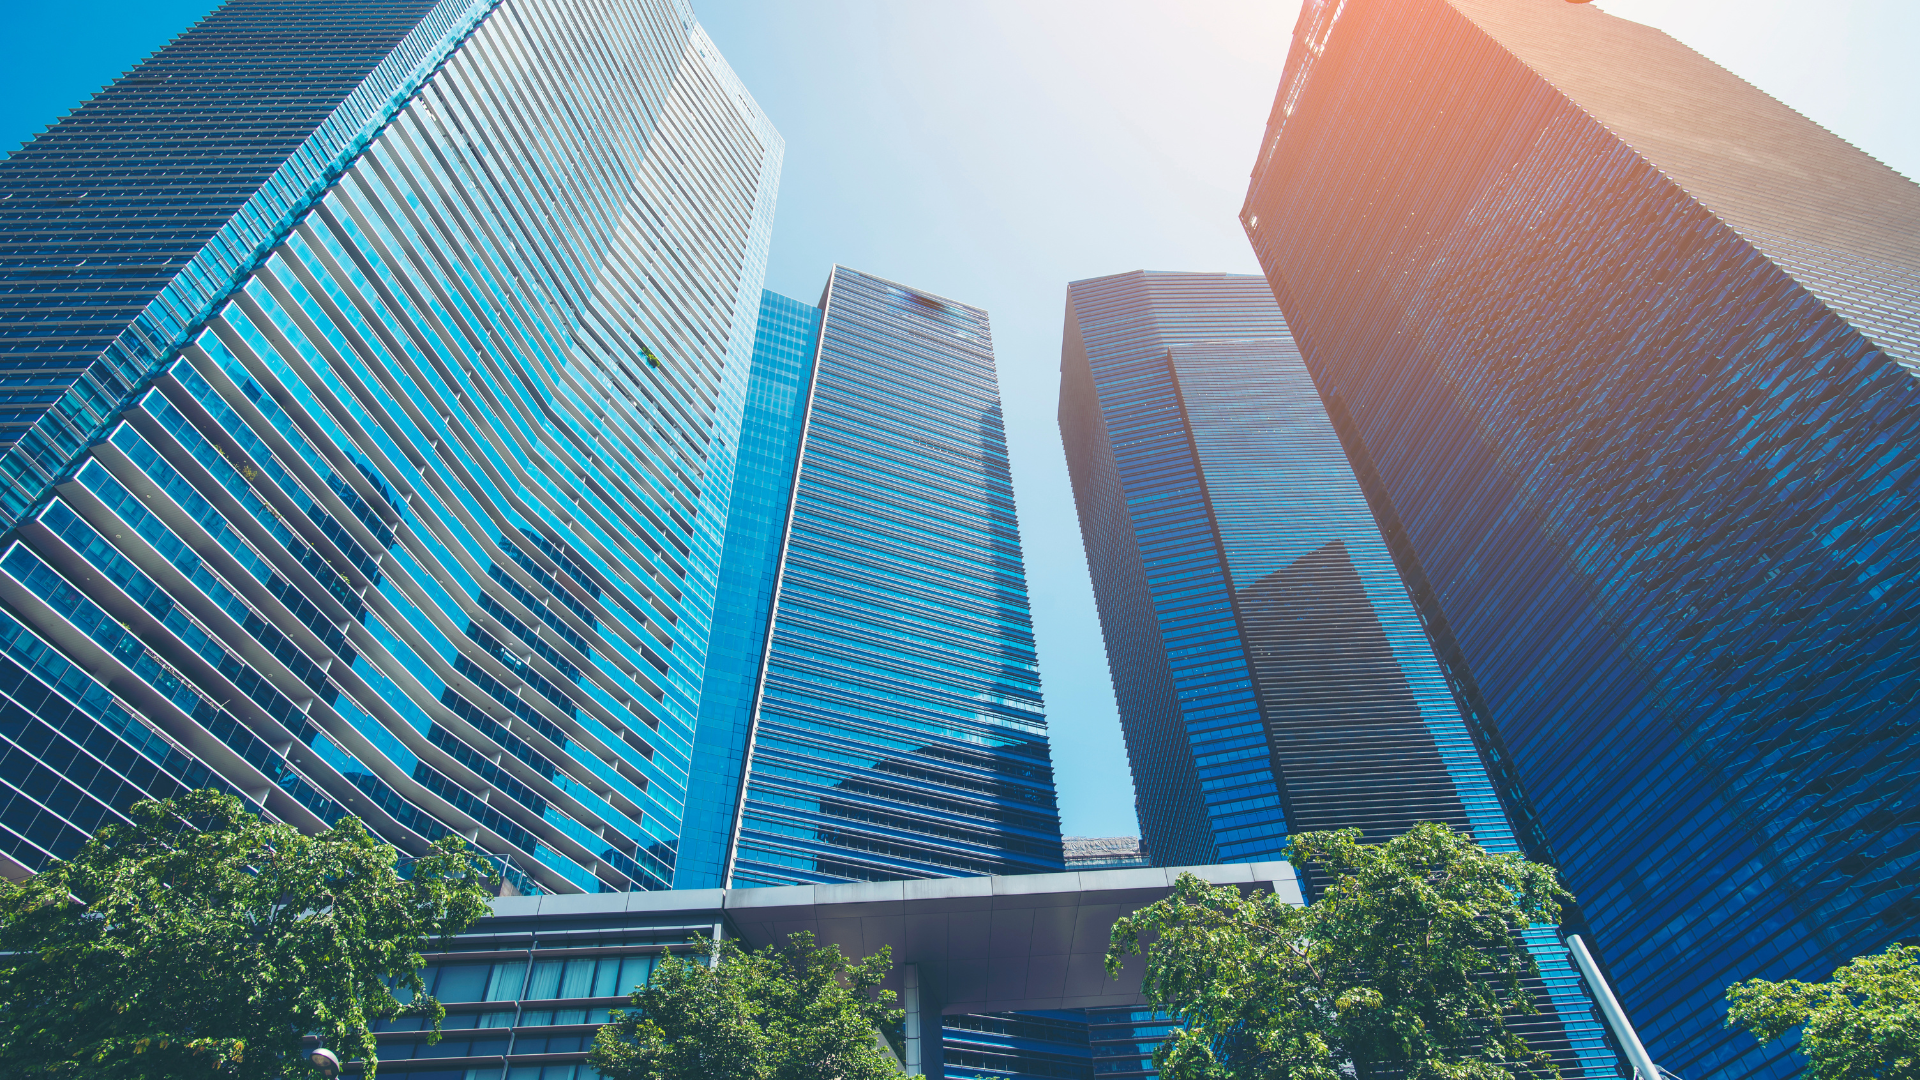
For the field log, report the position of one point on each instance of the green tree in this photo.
(1863, 1024)
(790, 1011)
(1410, 962)
(200, 941)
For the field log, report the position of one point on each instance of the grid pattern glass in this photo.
(1016, 1046)
(900, 730)
(424, 523)
(776, 414)
(1308, 690)
(1651, 457)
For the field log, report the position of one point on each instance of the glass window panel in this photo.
(546, 980)
(634, 971)
(576, 980)
(462, 982)
(606, 978)
(505, 983)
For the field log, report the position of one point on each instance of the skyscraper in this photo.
(779, 392)
(1626, 350)
(382, 370)
(899, 731)
(1272, 673)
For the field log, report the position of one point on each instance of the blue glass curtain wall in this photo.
(1361, 723)
(1233, 548)
(128, 220)
(425, 523)
(1220, 510)
(1652, 458)
(776, 413)
(901, 732)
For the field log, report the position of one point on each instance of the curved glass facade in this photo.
(1638, 406)
(900, 731)
(424, 520)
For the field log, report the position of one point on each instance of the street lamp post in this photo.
(1616, 1017)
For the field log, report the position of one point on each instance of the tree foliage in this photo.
(200, 941)
(1863, 1024)
(790, 1011)
(1410, 962)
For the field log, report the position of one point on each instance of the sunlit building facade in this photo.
(899, 731)
(1632, 388)
(383, 367)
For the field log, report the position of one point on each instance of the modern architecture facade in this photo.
(1625, 351)
(1272, 673)
(531, 982)
(899, 731)
(779, 391)
(382, 368)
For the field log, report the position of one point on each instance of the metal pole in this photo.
(1610, 1008)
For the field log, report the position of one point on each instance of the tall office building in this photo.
(1626, 351)
(381, 366)
(1271, 671)
(779, 392)
(899, 731)
(873, 709)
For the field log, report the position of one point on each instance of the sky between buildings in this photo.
(994, 150)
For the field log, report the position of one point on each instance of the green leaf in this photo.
(1410, 962)
(791, 1011)
(202, 941)
(1863, 1024)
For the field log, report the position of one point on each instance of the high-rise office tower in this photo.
(381, 366)
(1626, 351)
(1271, 671)
(779, 392)
(899, 731)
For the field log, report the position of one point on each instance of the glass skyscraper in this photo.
(778, 394)
(1625, 352)
(381, 369)
(1272, 673)
(899, 730)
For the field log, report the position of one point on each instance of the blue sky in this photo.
(992, 151)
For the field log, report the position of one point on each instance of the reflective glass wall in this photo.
(1302, 691)
(424, 520)
(1299, 691)
(900, 731)
(778, 393)
(1637, 404)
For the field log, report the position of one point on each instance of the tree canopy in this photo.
(790, 1011)
(1410, 962)
(1863, 1024)
(200, 941)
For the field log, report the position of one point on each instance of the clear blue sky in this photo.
(993, 151)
